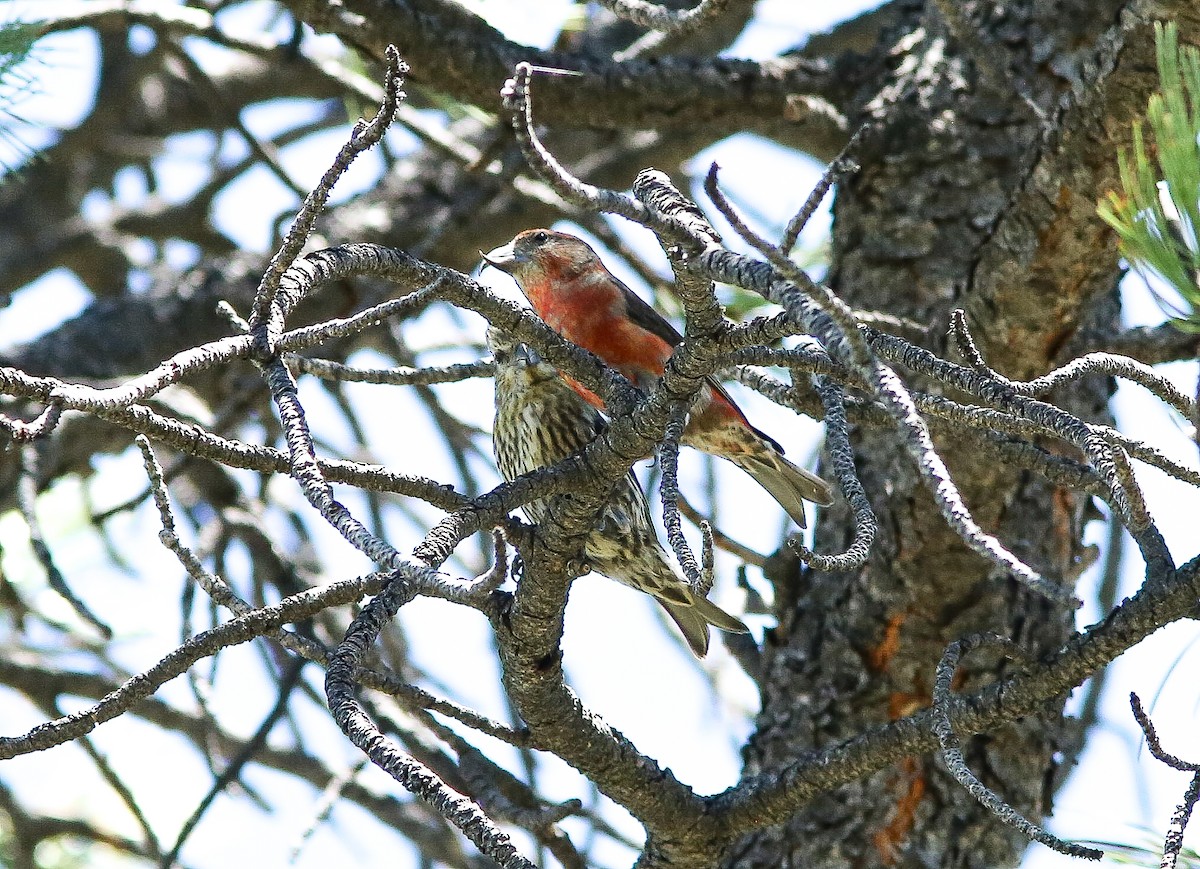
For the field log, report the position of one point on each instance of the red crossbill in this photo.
(540, 421)
(580, 299)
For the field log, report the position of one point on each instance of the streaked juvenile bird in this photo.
(580, 299)
(540, 421)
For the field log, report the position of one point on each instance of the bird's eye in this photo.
(541, 237)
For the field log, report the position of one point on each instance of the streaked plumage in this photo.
(539, 421)
(569, 287)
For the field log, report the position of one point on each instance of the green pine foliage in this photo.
(1157, 213)
(16, 81)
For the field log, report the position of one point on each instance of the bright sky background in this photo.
(615, 649)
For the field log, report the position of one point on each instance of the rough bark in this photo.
(966, 199)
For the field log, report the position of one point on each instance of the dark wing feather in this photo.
(641, 312)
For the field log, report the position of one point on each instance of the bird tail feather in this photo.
(693, 622)
(717, 617)
(788, 484)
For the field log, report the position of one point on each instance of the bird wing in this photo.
(643, 314)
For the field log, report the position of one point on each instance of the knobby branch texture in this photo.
(968, 312)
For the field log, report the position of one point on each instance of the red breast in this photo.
(587, 306)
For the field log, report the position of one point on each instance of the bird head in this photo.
(541, 253)
(499, 343)
(505, 351)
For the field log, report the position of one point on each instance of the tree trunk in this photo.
(952, 164)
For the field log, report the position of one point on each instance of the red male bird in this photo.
(580, 299)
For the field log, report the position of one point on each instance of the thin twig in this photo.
(364, 136)
(721, 540)
(841, 166)
(27, 483)
(841, 454)
(669, 490)
(676, 22)
(843, 336)
(1183, 813)
(284, 686)
(952, 752)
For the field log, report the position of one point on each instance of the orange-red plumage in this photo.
(569, 287)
